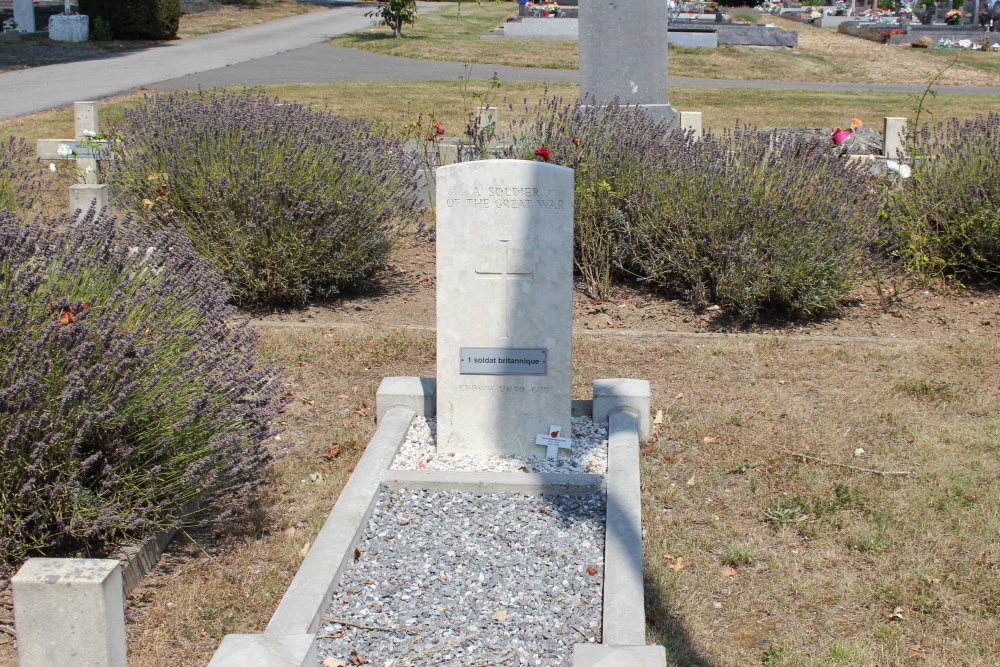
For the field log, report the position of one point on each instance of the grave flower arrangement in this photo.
(954, 17)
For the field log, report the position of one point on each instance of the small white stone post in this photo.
(486, 116)
(895, 138)
(690, 121)
(24, 15)
(69, 611)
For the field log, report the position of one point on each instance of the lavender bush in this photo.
(611, 150)
(758, 226)
(947, 214)
(289, 204)
(20, 180)
(125, 390)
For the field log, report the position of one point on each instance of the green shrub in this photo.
(20, 179)
(126, 391)
(136, 19)
(759, 226)
(947, 214)
(289, 204)
(756, 225)
(611, 150)
(100, 30)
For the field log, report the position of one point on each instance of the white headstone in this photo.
(24, 15)
(504, 304)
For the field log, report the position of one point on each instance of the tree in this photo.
(394, 13)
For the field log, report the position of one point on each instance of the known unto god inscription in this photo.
(504, 304)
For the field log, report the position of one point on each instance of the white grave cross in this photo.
(553, 443)
(86, 152)
(506, 274)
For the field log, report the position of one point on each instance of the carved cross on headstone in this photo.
(506, 274)
(86, 152)
(553, 442)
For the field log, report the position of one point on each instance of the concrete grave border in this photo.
(290, 637)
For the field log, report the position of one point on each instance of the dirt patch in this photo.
(894, 309)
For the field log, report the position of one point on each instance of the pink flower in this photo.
(543, 153)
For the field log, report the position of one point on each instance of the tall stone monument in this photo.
(504, 305)
(623, 54)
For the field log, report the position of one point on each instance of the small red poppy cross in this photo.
(553, 443)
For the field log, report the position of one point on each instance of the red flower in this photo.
(543, 153)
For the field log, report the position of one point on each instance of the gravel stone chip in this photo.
(457, 579)
(588, 455)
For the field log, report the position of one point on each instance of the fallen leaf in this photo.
(357, 553)
(333, 662)
(305, 549)
(896, 615)
(361, 412)
(66, 316)
(678, 564)
(679, 396)
(709, 439)
(658, 417)
(591, 570)
(499, 615)
(376, 605)
(729, 572)
(332, 452)
(342, 396)
(356, 658)
(690, 482)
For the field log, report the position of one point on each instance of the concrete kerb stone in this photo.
(601, 655)
(418, 394)
(300, 609)
(290, 639)
(624, 619)
(267, 651)
(614, 394)
(69, 611)
(575, 484)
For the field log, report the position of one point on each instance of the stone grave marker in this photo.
(504, 306)
(86, 152)
(623, 54)
(24, 15)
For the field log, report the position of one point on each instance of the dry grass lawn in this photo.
(752, 553)
(240, 14)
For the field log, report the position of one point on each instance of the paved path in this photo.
(25, 91)
(294, 50)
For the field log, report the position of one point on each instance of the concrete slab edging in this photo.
(289, 640)
(290, 637)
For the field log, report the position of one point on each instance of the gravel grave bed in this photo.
(457, 579)
(588, 455)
